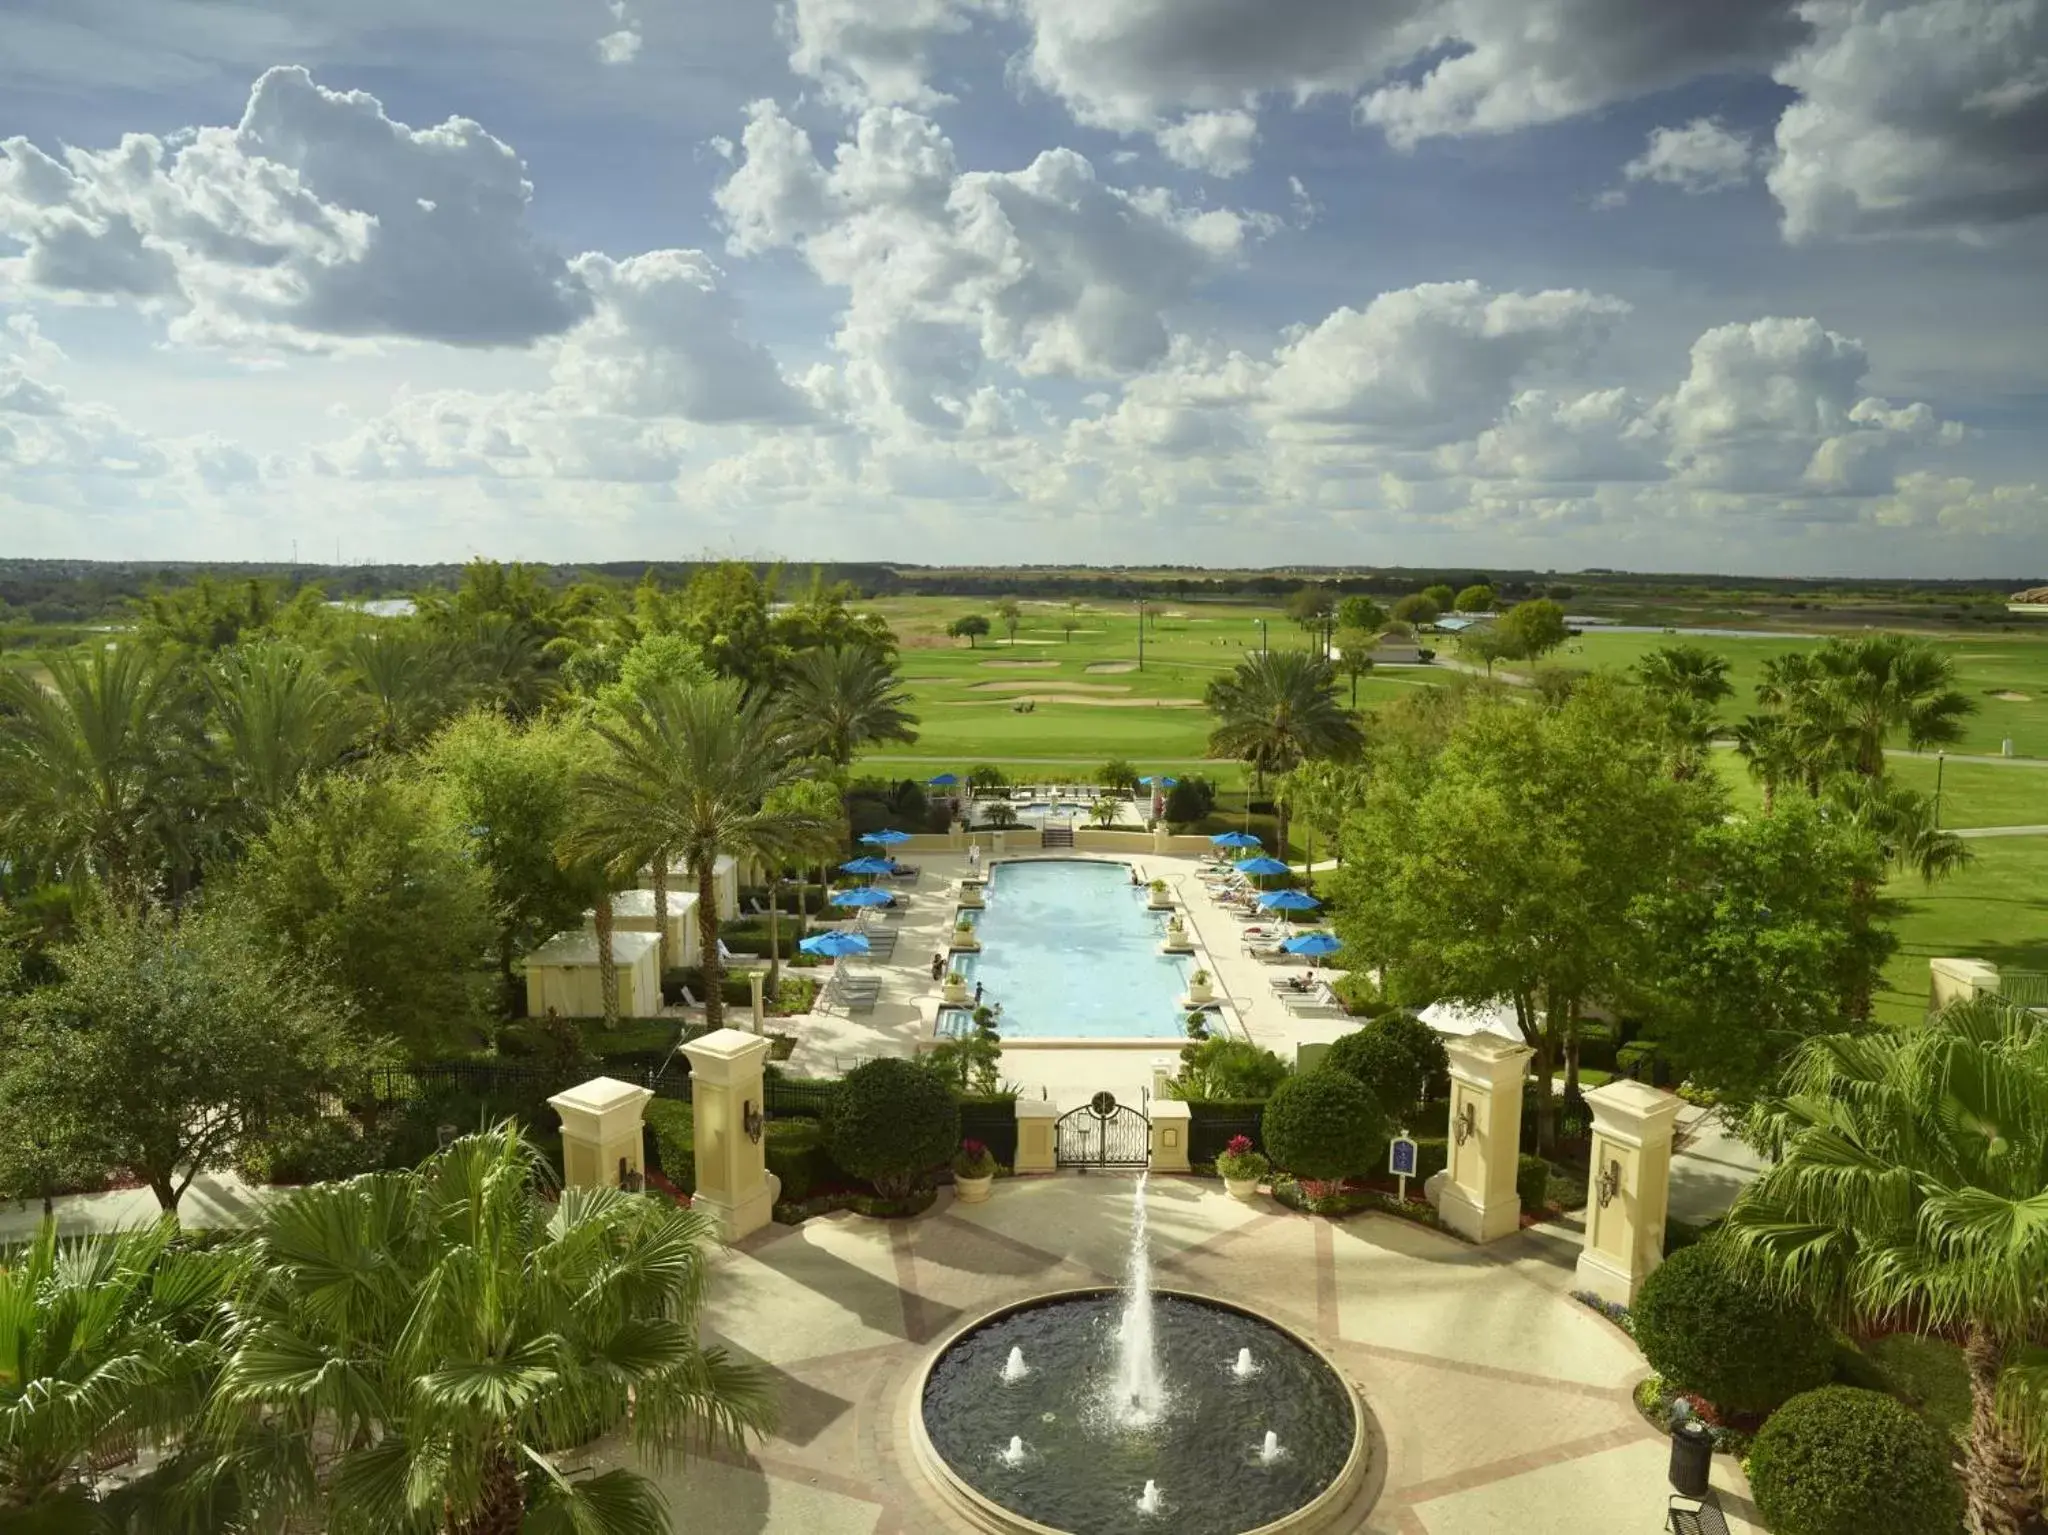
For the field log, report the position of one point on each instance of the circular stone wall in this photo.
(1081, 1472)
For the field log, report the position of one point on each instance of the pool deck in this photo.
(1499, 1403)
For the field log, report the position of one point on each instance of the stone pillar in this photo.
(1479, 1200)
(1164, 1069)
(1170, 1124)
(998, 840)
(601, 1134)
(1957, 980)
(733, 1182)
(1035, 1150)
(1162, 840)
(1628, 1188)
(758, 979)
(956, 837)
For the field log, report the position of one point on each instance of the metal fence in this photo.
(1209, 1134)
(994, 1125)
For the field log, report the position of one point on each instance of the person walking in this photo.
(938, 965)
(977, 993)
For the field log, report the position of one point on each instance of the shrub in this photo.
(1532, 1183)
(1219, 1067)
(311, 1151)
(1185, 803)
(891, 1122)
(1708, 1332)
(675, 1140)
(1397, 1057)
(1117, 774)
(973, 1160)
(986, 775)
(1239, 1160)
(794, 1150)
(1324, 1125)
(1839, 1461)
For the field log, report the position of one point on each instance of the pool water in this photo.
(1070, 951)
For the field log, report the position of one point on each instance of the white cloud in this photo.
(1218, 143)
(1551, 436)
(620, 47)
(1924, 117)
(24, 396)
(873, 51)
(24, 337)
(1959, 505)
(1703, 156)
(316, 215)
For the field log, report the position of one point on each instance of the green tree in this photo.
(1318, 794)
(410, 679)
(1278, 710)
(1885, 686)
(366, 882)
(158, 1043)
(725, 615)
(1310, 605)
(823, 618)
(1218, 1067)
(1417, 608)
(840, 703)
(279, 721)
(1324, 1126)
(1354, 656)
(1486, 645)
(1687, 684)
(892, 1121)
(1440, 594)
(1770, 751)
(1899, 823)
(1361, 613)
(969, 627)
(1010, 616)
(1396, 1057)
(1070, 620)
(814, 812)
(427, 1340)
(1906, 1189)
(1477, 598)
(1534, 628)
(1117, 774)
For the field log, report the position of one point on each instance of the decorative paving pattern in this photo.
(1500, 1402)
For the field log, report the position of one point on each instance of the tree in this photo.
(108, 1338)
(839, 703)
(1417, 608)
(1230, 1069)
(486, 1328)
(823, 618)
(968, 626)
(725, 615)
(1759, 946)
(654, 659)
(409, 678)
(1534, 628)
(1395, 1057)
(1686, 683)
(1324, 1126)
(1354, 656)
(1440, 593)
(92, 768)
(1278, 710)
(1318, 794)
(509, 788)
(689, 770)
(1905, 1190)
(365, 882)
(159, 1043)
(1486, 644)
(815, 813)
(1477, 598)
(891, 1122)
(1361, 613)
(1117, 774)
(1770, 750)
(1010, 616)
(279, 722)
(1887, 685)
(1311, 604)
(1070, 620)
(1899, 822)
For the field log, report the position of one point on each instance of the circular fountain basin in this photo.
(1085, 1465)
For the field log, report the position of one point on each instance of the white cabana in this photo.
(725, 876)
(633, 912)
(562, 974)
(1496, 1017)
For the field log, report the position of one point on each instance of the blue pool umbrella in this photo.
(1159, 783)
(1261, 866)
(1235, 839)
(1288, 900)
(886, 836)
(868, 866)
(944, 780)
(1313, 943)
(867, 896)
(834, 945)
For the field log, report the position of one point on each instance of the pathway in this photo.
(215, 1199)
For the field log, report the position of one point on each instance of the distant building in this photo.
(2033, 601)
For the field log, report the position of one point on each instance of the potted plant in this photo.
(1157, 897)
(974, 1172)
(963, 936)
(956, 987)
(971, 895)
(1241, 1167)
(1200, 987)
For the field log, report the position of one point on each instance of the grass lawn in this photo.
(1996, 909)
(1972, 793)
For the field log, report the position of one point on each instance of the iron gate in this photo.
(1102, 1133)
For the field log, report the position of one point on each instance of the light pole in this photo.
(1262, 636)
(1141, 634)
(1940, 762)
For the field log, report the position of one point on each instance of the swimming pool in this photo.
(1070, 952)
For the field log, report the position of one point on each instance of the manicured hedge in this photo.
(1397, 1056)
(675, 1145)
(1325, 1125)
(1710, 1333)
(1532, 1183)
(1839, 1461)
(891, 1122)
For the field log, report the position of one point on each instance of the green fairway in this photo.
(1972, 793)
(1996, 909)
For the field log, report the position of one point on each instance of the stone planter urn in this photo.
(955, 994)
(1159, 898)
(972, 898)
(963, 938)
(973, 1191)
(1241, 1188)
(1201, 988)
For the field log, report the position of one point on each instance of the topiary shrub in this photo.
(1324, 1125)
(675, 1140)
(1710, 1333)
(1532, 1183)
(1397, 1056)
(891, 1122)
(1839, 1461)
(794, 1150)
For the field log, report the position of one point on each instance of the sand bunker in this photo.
(1065, 687)
(1094, 699)
(1025, 665)
(2014, 698)
(1008, 643)
(1111, 666)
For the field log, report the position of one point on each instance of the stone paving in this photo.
(1499, 1402)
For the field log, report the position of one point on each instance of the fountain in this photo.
(1122, 1387)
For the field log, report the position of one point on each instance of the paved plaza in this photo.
(1498, 1402)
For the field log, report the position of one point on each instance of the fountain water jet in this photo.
(1014, 1455)
(1269, 1452)
(1014, 1368)
(1138, 1397)
(1244, 1368)
(1149, 1503)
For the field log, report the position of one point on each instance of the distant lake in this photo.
(381, 607)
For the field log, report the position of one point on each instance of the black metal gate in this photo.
(1102, 1133)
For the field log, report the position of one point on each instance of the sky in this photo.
(1753, 286)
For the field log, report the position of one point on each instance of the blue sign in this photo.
(1401, 1157)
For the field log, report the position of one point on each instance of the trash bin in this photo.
(1692, 1457)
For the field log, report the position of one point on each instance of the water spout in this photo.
(1269, 1452)
(1014, 1455)
(1014, 1368)
(1138, 1398)
(1244, 1368)
(1149, 1503)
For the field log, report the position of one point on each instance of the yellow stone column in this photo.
(1628, 1188)
(1035, 1150)
(756, 980)
(601, 1135)
(1957, 980)
(1479, 1200)
(733, 1181)
(1171, 1121)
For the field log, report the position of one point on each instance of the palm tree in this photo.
(1278, 710)
(92, 766)
(279, 720)
(1907, 1190)
(1766, 744)
(1888, 684)
(414, 1351)
(816, 811)
(691, 768)
(410, 678)
(839, 702)
(1687, 683)
(1792, 691)
(104, 1341)
(1900, 824)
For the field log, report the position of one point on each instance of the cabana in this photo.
(633, 912)
(725, 878)
(562, 974)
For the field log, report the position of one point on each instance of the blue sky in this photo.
(1752, 287)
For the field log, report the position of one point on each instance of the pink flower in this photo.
(1239, 1145)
